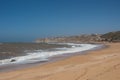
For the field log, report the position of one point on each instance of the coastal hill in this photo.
(85, 38)
(77, 39)
(111, 36)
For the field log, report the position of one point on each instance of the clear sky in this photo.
(26, 20)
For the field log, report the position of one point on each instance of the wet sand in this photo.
(96, 65)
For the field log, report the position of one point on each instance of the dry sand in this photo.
(96, 65)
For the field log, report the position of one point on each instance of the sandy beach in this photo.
(101, 64)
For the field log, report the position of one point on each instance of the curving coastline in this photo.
(43, 57)
(102, 64)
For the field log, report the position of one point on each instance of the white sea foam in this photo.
(44, 55)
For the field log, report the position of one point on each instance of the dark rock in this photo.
(12, 60)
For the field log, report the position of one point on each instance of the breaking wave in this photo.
(43, 55)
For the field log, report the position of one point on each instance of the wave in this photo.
(43, 55)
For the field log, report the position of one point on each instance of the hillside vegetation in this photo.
(111, 36)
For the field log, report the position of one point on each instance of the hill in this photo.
(111, 36)
(75, 39)
(85, 38)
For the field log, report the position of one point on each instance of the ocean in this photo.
(30, 53)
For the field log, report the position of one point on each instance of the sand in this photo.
(96, 65)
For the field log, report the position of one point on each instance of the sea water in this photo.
(38, 55)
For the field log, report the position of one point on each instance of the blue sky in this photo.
(26, 20)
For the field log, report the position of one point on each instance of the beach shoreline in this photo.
(100, 64)
(9, 68)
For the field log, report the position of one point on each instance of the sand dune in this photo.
(96, 65)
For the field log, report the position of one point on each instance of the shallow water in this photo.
(41, 56)
(9, 50)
